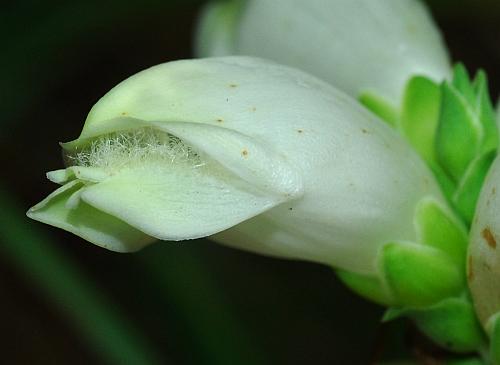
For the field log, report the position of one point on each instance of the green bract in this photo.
(453, 128)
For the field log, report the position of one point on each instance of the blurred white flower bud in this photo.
(360, 46)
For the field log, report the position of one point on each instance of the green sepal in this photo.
(420, 115)
(439, 228)
(380, 107)
(419, 275)
(486, 112)
(467, 193)
(459, 133)
(451, 323)
(366, 286)
(461, 82)
(493, 329)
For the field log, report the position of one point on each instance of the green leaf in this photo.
(419, 275)
(420, 115)
(438, 228)
(466, 196)
(366, 286)
(380, 107)
(459, 133)
(451, 323)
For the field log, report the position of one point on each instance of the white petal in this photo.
(178, 203)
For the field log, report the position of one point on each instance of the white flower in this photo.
(360, 46)
(264, 157)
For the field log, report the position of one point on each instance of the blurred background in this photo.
(63, 300)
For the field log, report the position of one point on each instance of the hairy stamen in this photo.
(137, 147)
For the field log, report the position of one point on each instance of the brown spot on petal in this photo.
(493, 191)
(123, 113)
(300, 131)
(489, 238)
(233, 85)
(364, 131)
(244, 153)
(470, 270)
(220, 120)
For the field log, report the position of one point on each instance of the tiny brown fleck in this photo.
(493, 191)
(253, 108)
(124, 113)
(220, 120)
(489, 238)
(290, 208)
(300, 131)
(486, 266)
(470, 272)
(233, 85)
(244, 153)
(364, 131)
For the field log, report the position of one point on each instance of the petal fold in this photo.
(180, 203)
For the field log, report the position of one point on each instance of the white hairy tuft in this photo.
(137, 147)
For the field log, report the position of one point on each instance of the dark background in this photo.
(65, 301)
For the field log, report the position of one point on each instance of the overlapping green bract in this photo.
(425, 280)
(457, 137)
(452, 127)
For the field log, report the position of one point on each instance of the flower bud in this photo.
(361, 46)
(259, 156)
